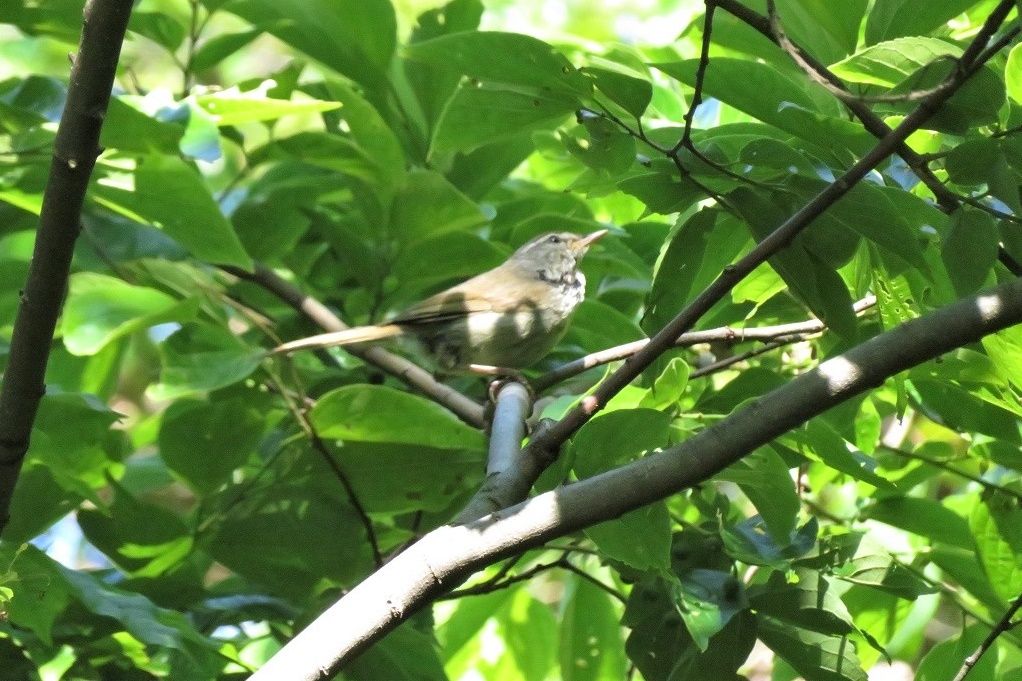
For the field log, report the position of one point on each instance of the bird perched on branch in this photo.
(506, 318)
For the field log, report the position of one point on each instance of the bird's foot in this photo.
(503, 376)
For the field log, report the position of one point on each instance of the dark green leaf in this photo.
(171, 195)
(815, 656)
(631, 93)
(219, 47)
(204, 442)
(355, 37)
(895, 18)
(100, 309)
(504, 58)
(926, 518)
(376, 413)
(158, 27)
(591, 639)
(480, 115)
(202, 357)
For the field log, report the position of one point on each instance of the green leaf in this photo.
(924, 517)
(427, 205)
(640, 538)
(944, 660)
(1005, 349)
(143, 539)
(1013, 74)
(708, 599)
(996, 527)
(129, 129)
(297, 537)
(483, 55)
(38, 599)
(168, 193)
(970, 250)
(202, 357)
(820, 441)
(749, 542)
(631, 93)
(158, 27)
(355, 37)
(100, 309)
(817, 657)
(983, 162)
(405, 654)
(376, 413)
(766, 480)
(219, 47)
(895, 18)
(884, 573)
(396, 478)
(481, 115)
(827, 30)
(805, 599)
(698, 252)
(591, 639)
(204, 442)
(799, 113)
(890, 62)
(669, 386)
(233, 107)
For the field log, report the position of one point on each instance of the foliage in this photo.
(373, 157)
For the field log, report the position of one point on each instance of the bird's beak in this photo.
(589, 239)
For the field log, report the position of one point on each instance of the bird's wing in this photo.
(487, 292)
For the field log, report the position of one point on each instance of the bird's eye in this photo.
(554, 239)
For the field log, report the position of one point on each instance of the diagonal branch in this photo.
(415, 376)
(543, 446)
(448, 555)
(873, 123)
(74, 154)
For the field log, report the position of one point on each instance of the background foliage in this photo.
(183, 511)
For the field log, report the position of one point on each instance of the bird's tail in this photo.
(358, 334)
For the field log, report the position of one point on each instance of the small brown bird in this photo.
(508, 317)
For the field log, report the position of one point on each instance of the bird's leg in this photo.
(503, 375)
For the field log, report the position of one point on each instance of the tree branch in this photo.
(722, 333)
(448, 555)
(873, 123)
(508, 479)
(415, 376)
(1003, 625)
(75, 150)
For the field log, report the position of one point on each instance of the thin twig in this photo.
(727, 362)
(840, 91)
(724, 333)
(942, 465)
(415, 376)
(697, 94)
(1004, 624)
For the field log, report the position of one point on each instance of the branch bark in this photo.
(415, 376)
(75, 150)
(448, 555)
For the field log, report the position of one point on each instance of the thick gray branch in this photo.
(448, 555)
(74, 154)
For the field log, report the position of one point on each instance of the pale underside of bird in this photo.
(508, 317)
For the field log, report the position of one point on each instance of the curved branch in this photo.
(448, 555)
(468, 410)
(75, 149)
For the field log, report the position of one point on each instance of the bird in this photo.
(506, 318)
